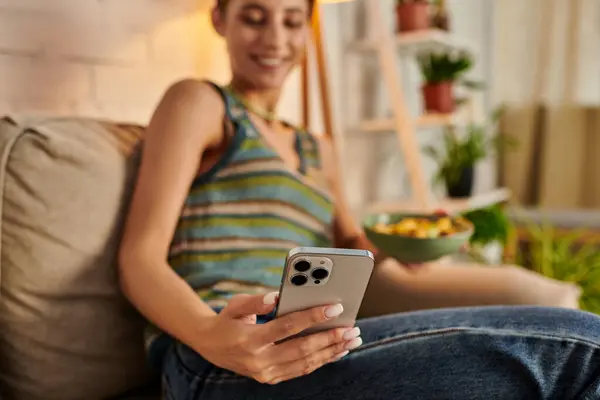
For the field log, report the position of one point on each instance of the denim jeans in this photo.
(468, 353)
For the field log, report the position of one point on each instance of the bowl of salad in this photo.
(417, 238)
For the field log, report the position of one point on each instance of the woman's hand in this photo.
(232, 340)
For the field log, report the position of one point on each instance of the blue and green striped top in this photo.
(242, 217)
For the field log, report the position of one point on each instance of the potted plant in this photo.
(412, 15)
(456, 163)
(440, 72)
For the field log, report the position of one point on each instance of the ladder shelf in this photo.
(386, 45)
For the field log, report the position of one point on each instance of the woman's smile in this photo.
(270, 62)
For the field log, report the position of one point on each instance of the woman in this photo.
(225, 190)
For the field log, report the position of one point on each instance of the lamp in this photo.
(317, 33)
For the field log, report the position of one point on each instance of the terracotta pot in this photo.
(439, 97)
(413, 16)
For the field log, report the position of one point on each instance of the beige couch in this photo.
(66, 332)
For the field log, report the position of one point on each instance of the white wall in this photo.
(112, 58)
(536, 61)
(108, 58)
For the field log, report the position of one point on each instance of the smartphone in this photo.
(316, 276)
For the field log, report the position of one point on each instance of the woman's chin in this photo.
(266, 80)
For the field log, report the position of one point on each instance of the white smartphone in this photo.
(316, 276)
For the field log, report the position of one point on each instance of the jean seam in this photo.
(234, 378)
(470, 330)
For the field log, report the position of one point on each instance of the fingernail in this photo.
(341, 355)
(270, 298)
(351, 333)
(354, 344)
(334, 311)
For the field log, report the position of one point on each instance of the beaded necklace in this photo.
(269, 116)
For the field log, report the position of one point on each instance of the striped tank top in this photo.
(242, 216)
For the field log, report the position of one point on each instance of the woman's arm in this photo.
(188, 120)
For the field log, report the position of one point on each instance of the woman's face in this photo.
(265, 39)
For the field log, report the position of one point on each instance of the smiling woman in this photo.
(225, 189)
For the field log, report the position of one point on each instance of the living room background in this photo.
(113, 59)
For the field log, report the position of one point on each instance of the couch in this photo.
(66, 331)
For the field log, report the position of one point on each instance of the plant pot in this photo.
(438, 97)
(464, 186)
(412, 16)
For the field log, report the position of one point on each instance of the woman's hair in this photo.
(222, 5)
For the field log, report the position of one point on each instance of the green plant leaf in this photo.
(491, 224)
(443, 67)
(567, 257)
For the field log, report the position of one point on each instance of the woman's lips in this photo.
(268, 62)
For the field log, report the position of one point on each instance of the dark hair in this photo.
(222, 5)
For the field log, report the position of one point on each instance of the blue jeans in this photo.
(468, 353)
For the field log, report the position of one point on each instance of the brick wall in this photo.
(102, 58)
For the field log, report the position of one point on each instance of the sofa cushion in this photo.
(66, 331)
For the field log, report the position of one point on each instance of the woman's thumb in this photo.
(245, 305)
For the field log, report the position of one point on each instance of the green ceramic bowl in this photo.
(413, 250)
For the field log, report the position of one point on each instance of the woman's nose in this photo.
(275, 37)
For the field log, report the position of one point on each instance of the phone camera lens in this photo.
(320, 273)
(302, 266)
(299, 280)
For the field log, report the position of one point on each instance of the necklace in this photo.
(269, 116)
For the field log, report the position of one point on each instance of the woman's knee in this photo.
(535, 289)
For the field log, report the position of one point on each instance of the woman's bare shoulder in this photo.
(191, 105)
(196, 91)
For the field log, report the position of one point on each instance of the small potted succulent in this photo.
(412, 15)
(440, 72)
